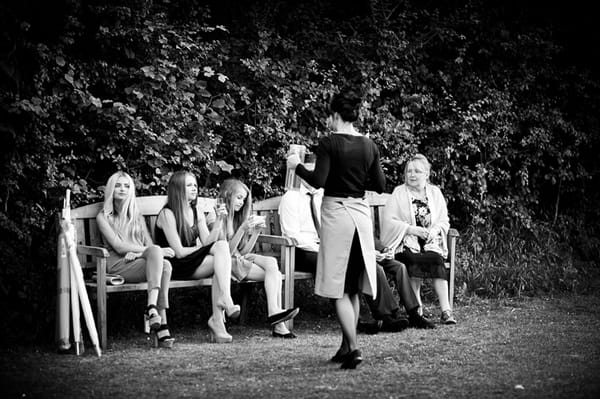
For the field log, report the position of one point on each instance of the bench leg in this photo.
(245, 291)
(288, 260)
(451, 286)
(101, 317)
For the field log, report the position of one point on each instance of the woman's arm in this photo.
(376, 175)
(254, 225)
(209, 236)
(318, 177)
(166, 221)
(114, 240)
(251, 242)
(394, 226)
(440, 222)
(237, 237)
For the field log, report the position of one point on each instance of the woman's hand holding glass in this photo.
(220, 207)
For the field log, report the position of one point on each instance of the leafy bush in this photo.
(484, 91)
(514, 261)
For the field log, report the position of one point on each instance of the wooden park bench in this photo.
(93, 255)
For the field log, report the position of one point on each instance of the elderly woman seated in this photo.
(415, 226)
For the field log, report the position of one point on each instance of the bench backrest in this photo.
(269, 208)
(84, 219)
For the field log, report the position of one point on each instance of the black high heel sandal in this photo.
(162, 337)
(151, 319)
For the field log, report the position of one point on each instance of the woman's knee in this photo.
(220, 248)
(153, 252)
(271, 266)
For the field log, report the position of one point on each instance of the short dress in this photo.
(184, 268)
(425, 264)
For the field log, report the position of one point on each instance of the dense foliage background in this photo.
(497, 94)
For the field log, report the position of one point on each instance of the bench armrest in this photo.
(276, 240)
(92, 251)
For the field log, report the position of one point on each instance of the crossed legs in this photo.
(218, 265)
(158, 275)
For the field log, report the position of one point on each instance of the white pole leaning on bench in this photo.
(78, 284)
(75, 314)
(63, 292)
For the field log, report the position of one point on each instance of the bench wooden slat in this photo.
(127, 287)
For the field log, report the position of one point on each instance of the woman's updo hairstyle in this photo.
(346, 103)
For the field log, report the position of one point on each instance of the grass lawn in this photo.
(534, 348)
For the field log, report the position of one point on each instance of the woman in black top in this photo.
(347, 165)
(198, 252)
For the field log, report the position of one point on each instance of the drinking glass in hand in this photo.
(220, 207)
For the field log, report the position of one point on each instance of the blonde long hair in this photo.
(125, 219)
(234, 219)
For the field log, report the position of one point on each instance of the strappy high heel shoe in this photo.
(162, 337)
(151, 319)
(217, 336)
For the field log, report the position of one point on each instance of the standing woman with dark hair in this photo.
(198, 252)
(133, 255)
(347, 165)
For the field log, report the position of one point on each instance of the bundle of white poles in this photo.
(71, 289)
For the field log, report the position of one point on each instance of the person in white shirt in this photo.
(297, 222)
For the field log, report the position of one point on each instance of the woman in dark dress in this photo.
(198, 252)
(347, 165)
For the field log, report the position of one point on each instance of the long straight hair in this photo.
(234, 219)
(177, 203)
(125, 217)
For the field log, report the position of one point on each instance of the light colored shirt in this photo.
(296, 219)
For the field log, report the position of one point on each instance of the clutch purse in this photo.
(240, 267)
(112, 279)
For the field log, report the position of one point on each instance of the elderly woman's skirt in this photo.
(341, 218)
(426, 264)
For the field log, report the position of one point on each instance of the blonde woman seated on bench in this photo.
(133, 255)
(242, 230)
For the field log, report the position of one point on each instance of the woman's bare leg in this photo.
(415, 283)
(440, 287)
(222, 271)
